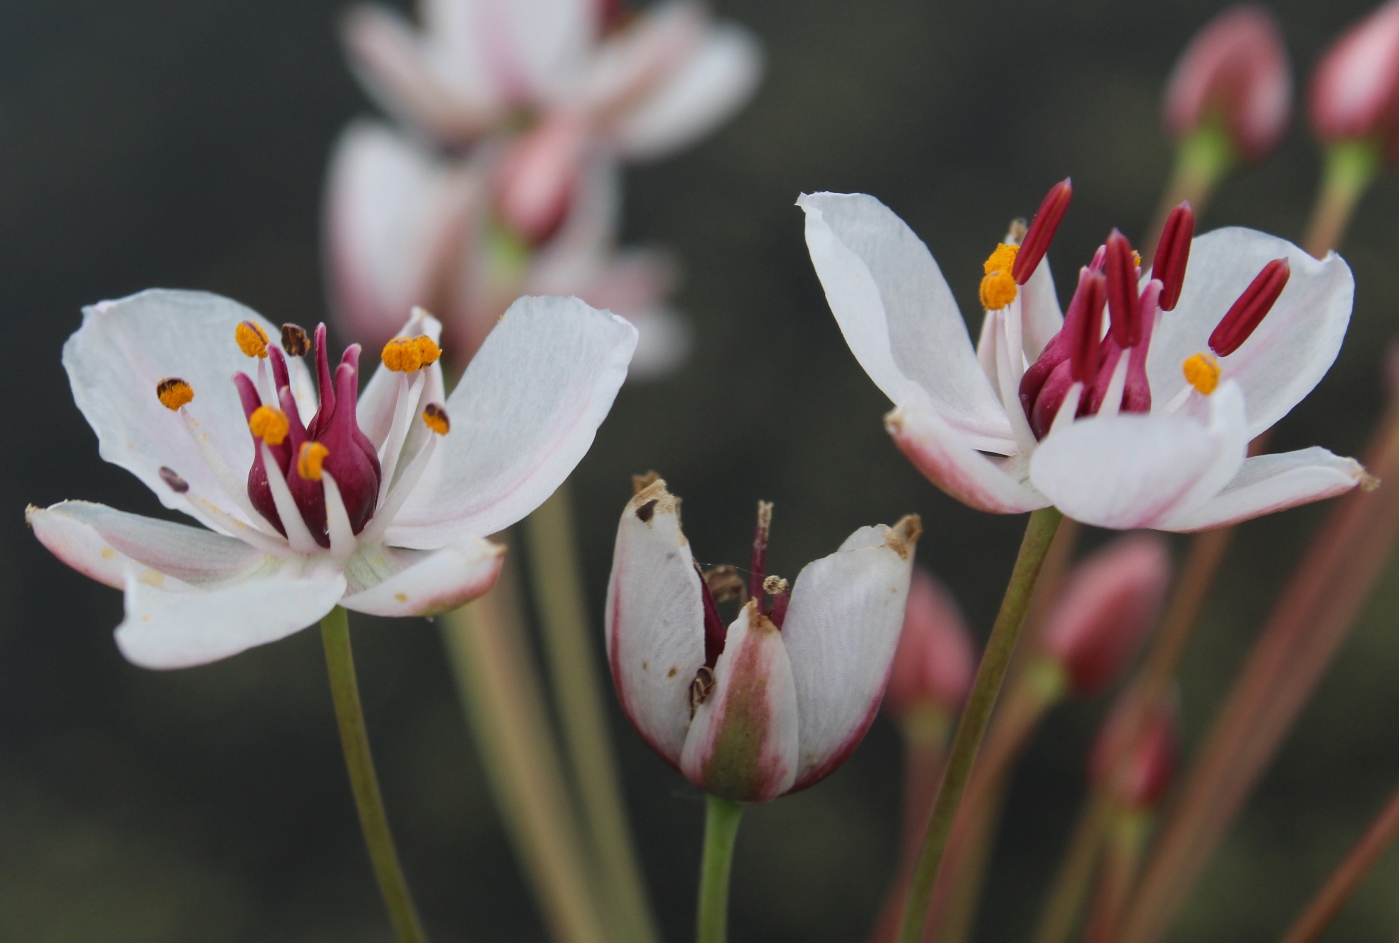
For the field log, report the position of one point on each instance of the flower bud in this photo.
(538, 177)
(1147, 768)
(1355, 89)
(1109, 604)
(1234, 72)
(933, 663)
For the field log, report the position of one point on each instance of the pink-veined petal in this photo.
(387, 581)
(1137, 470)
(654, 620)
(180, 627)
(523, 415)
(950, 461)
(899, 316)
(1289, 352)
(1268, 483)
(840, 634)
(742, 743)
(1040, 309)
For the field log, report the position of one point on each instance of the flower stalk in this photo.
(972, 727)
(1350, 168)
(720, 833)
(349, 714)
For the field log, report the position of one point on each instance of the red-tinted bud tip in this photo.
(1110, 603)
(933, 663)
(1124, 304)
(1355, 89)
(1234, 72)
(1085, 327)
(1041, 231)
(1145, 770)
(538, 178)
(1244, 316)
(1172, 252)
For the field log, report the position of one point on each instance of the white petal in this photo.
(898, 315)
(126, 347)
(654, 620)
(705, 92)
(840, 633)
(455, 46)
(1042, 315)
(178, 628)
(396, 218)
(951, 462)
(742, 743)
(1134, 471)
(387, 581)
(523, 415)
(1269, 483)
(1290, 351)
(110, 545)
(544, 43)
(664, 339)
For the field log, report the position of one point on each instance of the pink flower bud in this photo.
(538, 177)
(1111, 601)
(1149, 767)
(1234, 71)
(933, 663)
(1355, 89)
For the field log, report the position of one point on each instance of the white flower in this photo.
(1152, 432)
(783, 696)
(378, 502)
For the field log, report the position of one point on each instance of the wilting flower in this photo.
(377, 501)
(1140, 423)
(780, 698)
(1354, 94)
(1234, 75)
(933, 662)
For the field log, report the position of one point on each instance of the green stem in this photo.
(570, 649)
(720, 831)
(344, 690)
(972, 728)
(1351, 166)
(1202, 160)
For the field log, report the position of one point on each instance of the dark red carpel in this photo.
(1085, 327)
(1124, 305)
(1244, 316)
(1172, 254)
(1041, 231)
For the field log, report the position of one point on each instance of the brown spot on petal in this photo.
(674, 670)
(647, 511)
(904, 535)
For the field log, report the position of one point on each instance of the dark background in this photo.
(181, 144)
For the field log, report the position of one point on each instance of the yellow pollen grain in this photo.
(269, 424)
(252, 339)
(1136, 258)
(435, 418)
(1202, 372)
(998, 288)
(174, 392)
(311, 459)
(427, 349)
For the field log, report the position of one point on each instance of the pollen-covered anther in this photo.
(252, 339)
(775, 586)
(435, 418)
(1202, 372)
(998, 287)
(295, 341)
(406, 354)
(174, 393)
(310, 460)
(269, 424)
(173, 480)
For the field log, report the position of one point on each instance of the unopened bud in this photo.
(538, 177)
(1144, 770)
(1234, 73)
(933, 661)
(1111, 601)
(1354, 91)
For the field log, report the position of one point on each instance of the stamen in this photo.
(337, 520)
(1249, 310)
(174, 393)
(173, 480)
(310, 459)
(435, 418)
(252, 339)
(1042, 229)
(295, 340)
(406, 354)
(1173, 252)
(760, 550)
(1124, 307)
(776, 587)
(998, 287)
(1202, 372)
(269, 424)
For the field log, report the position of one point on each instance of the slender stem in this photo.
(1126, 837)
(570, 650)
(1075, 874)
(354, 738)
(1351, 166)
(977, 714)
(1202, 160)
(501, 694)
(1331, 898)
(720, 831)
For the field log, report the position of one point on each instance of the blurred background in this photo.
(177, 144)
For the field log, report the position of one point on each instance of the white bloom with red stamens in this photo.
(1140, 422)
(378, 501)
(780, 698)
